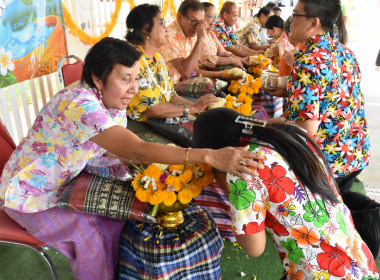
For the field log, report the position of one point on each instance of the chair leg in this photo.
(40, 250)
(49, 262)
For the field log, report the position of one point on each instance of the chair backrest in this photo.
(7, 146)
(70, 72)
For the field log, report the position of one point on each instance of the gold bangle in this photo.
(187, 155)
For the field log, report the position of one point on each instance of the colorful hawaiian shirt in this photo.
(225, 34)
(314, 238)
(250, 34)
(155, 86)
(56, 148)
(212, 50)
(177, 45)
(324, 85)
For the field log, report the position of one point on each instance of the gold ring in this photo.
(242, 162)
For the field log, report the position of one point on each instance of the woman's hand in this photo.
(224, 76)
(203, 103)
(245, 61)
(237, 161)
(237, 62)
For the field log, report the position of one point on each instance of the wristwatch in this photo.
(185, 111)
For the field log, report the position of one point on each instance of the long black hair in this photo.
(217, 128)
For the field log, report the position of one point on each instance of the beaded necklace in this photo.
(160, 73)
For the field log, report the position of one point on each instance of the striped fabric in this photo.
(192, 251)
(214, 199)
(272, 104)
(90, 242)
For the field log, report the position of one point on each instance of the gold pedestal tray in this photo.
(171, 216)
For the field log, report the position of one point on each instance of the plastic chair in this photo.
(70, 72)
(10, 232)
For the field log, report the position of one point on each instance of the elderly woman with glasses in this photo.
(156, 97)
(214, 53)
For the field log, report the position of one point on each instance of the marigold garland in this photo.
(169, 4)
(242, 104)
(182, 182)
(261, 63)
(248, 85)
(83, 36)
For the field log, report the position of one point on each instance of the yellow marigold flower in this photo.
(241, 97)
(260, 57)
(250, 77)
(250, 91)
(155, 198)
(206, 180)
(175, 182)
(186, 176)
(245, 109)
(185, 196)
(170, 198)
(243, 89)
(153, 172)
(176, 167)
(229, 105)
(234, 89)
(195, 189)
(229, 97)
(142, 195)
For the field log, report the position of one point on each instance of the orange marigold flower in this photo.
(243, 89)
(250, 91)
(177, 167)
(195, 189)
(185, 196)
(155, 198)
(142, 195)
(186, 176)
(170, 198)
(229, 97)
(153, 171)
(242, 97)
(175, 182)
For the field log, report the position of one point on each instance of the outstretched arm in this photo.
(124, 143)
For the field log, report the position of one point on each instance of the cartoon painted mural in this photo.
(32, 39)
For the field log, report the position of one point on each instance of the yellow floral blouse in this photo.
(155, 86)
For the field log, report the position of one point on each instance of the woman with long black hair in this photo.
(294, 198)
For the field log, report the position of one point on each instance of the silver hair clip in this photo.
(130, 30)
(249, 122)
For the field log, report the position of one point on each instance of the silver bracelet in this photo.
(185, 111)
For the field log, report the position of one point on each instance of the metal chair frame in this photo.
(61, 65)
(38, 246)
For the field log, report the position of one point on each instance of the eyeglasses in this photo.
(212, 17)
(299, 15)
(192, 21)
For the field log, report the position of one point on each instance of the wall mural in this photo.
(32, 39)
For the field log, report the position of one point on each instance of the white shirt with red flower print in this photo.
(315, 239)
